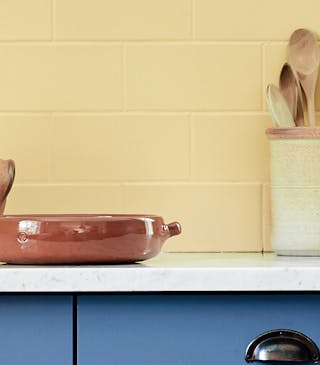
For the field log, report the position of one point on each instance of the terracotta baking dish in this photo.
(79, 239)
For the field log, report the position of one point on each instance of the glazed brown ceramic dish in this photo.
(77, 239)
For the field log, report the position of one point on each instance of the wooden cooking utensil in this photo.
(7, 174)
(278, 108)
(290, 89)
(304, 57)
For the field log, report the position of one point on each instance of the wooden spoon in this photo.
(304, 57)
(290, 89)
(7, 174)
(299, 120)
(278, 108)
(11, 175)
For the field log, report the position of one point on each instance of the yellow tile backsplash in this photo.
(120, 147)
(193, 77)
(214, 217)
(146, 107)
(252, 19)
(49, 77)
(25, 20)
(122, 19)
(64, 198)
(225, 138)
(26, 140)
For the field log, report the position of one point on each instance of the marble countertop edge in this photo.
(170, 272)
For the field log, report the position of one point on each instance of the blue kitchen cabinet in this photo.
(185, 329)
(36, 329)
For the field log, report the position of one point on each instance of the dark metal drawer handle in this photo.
(282, 345)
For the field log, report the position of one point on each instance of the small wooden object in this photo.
(304, 57)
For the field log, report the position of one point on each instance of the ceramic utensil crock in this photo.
(295, 190)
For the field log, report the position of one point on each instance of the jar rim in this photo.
(293, 133)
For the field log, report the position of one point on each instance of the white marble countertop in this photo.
(171, 272)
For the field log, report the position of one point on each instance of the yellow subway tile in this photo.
(193, 77)
(120, 147)
(24, 20)
(252, 19)
(56, 199)
(122, 19)
(25, 139)
(64, 77)
(266, 214)
(213, 217)
(229, 148)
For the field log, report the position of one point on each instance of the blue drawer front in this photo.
(35, 329)
(185, 329)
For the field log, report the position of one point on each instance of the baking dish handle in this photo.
(172, 229)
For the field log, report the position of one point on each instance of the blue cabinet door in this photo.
(35, 329)
(186, 329)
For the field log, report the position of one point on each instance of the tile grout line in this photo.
(190, 123)
(263, 76)
(123, 203)
(125, 183)
(94, 113)
(138, 112)
(50, 151)
(193, 19)
(124, 77)
(52, 20)
(164, 42)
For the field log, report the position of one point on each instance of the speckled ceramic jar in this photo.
(295, 190)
